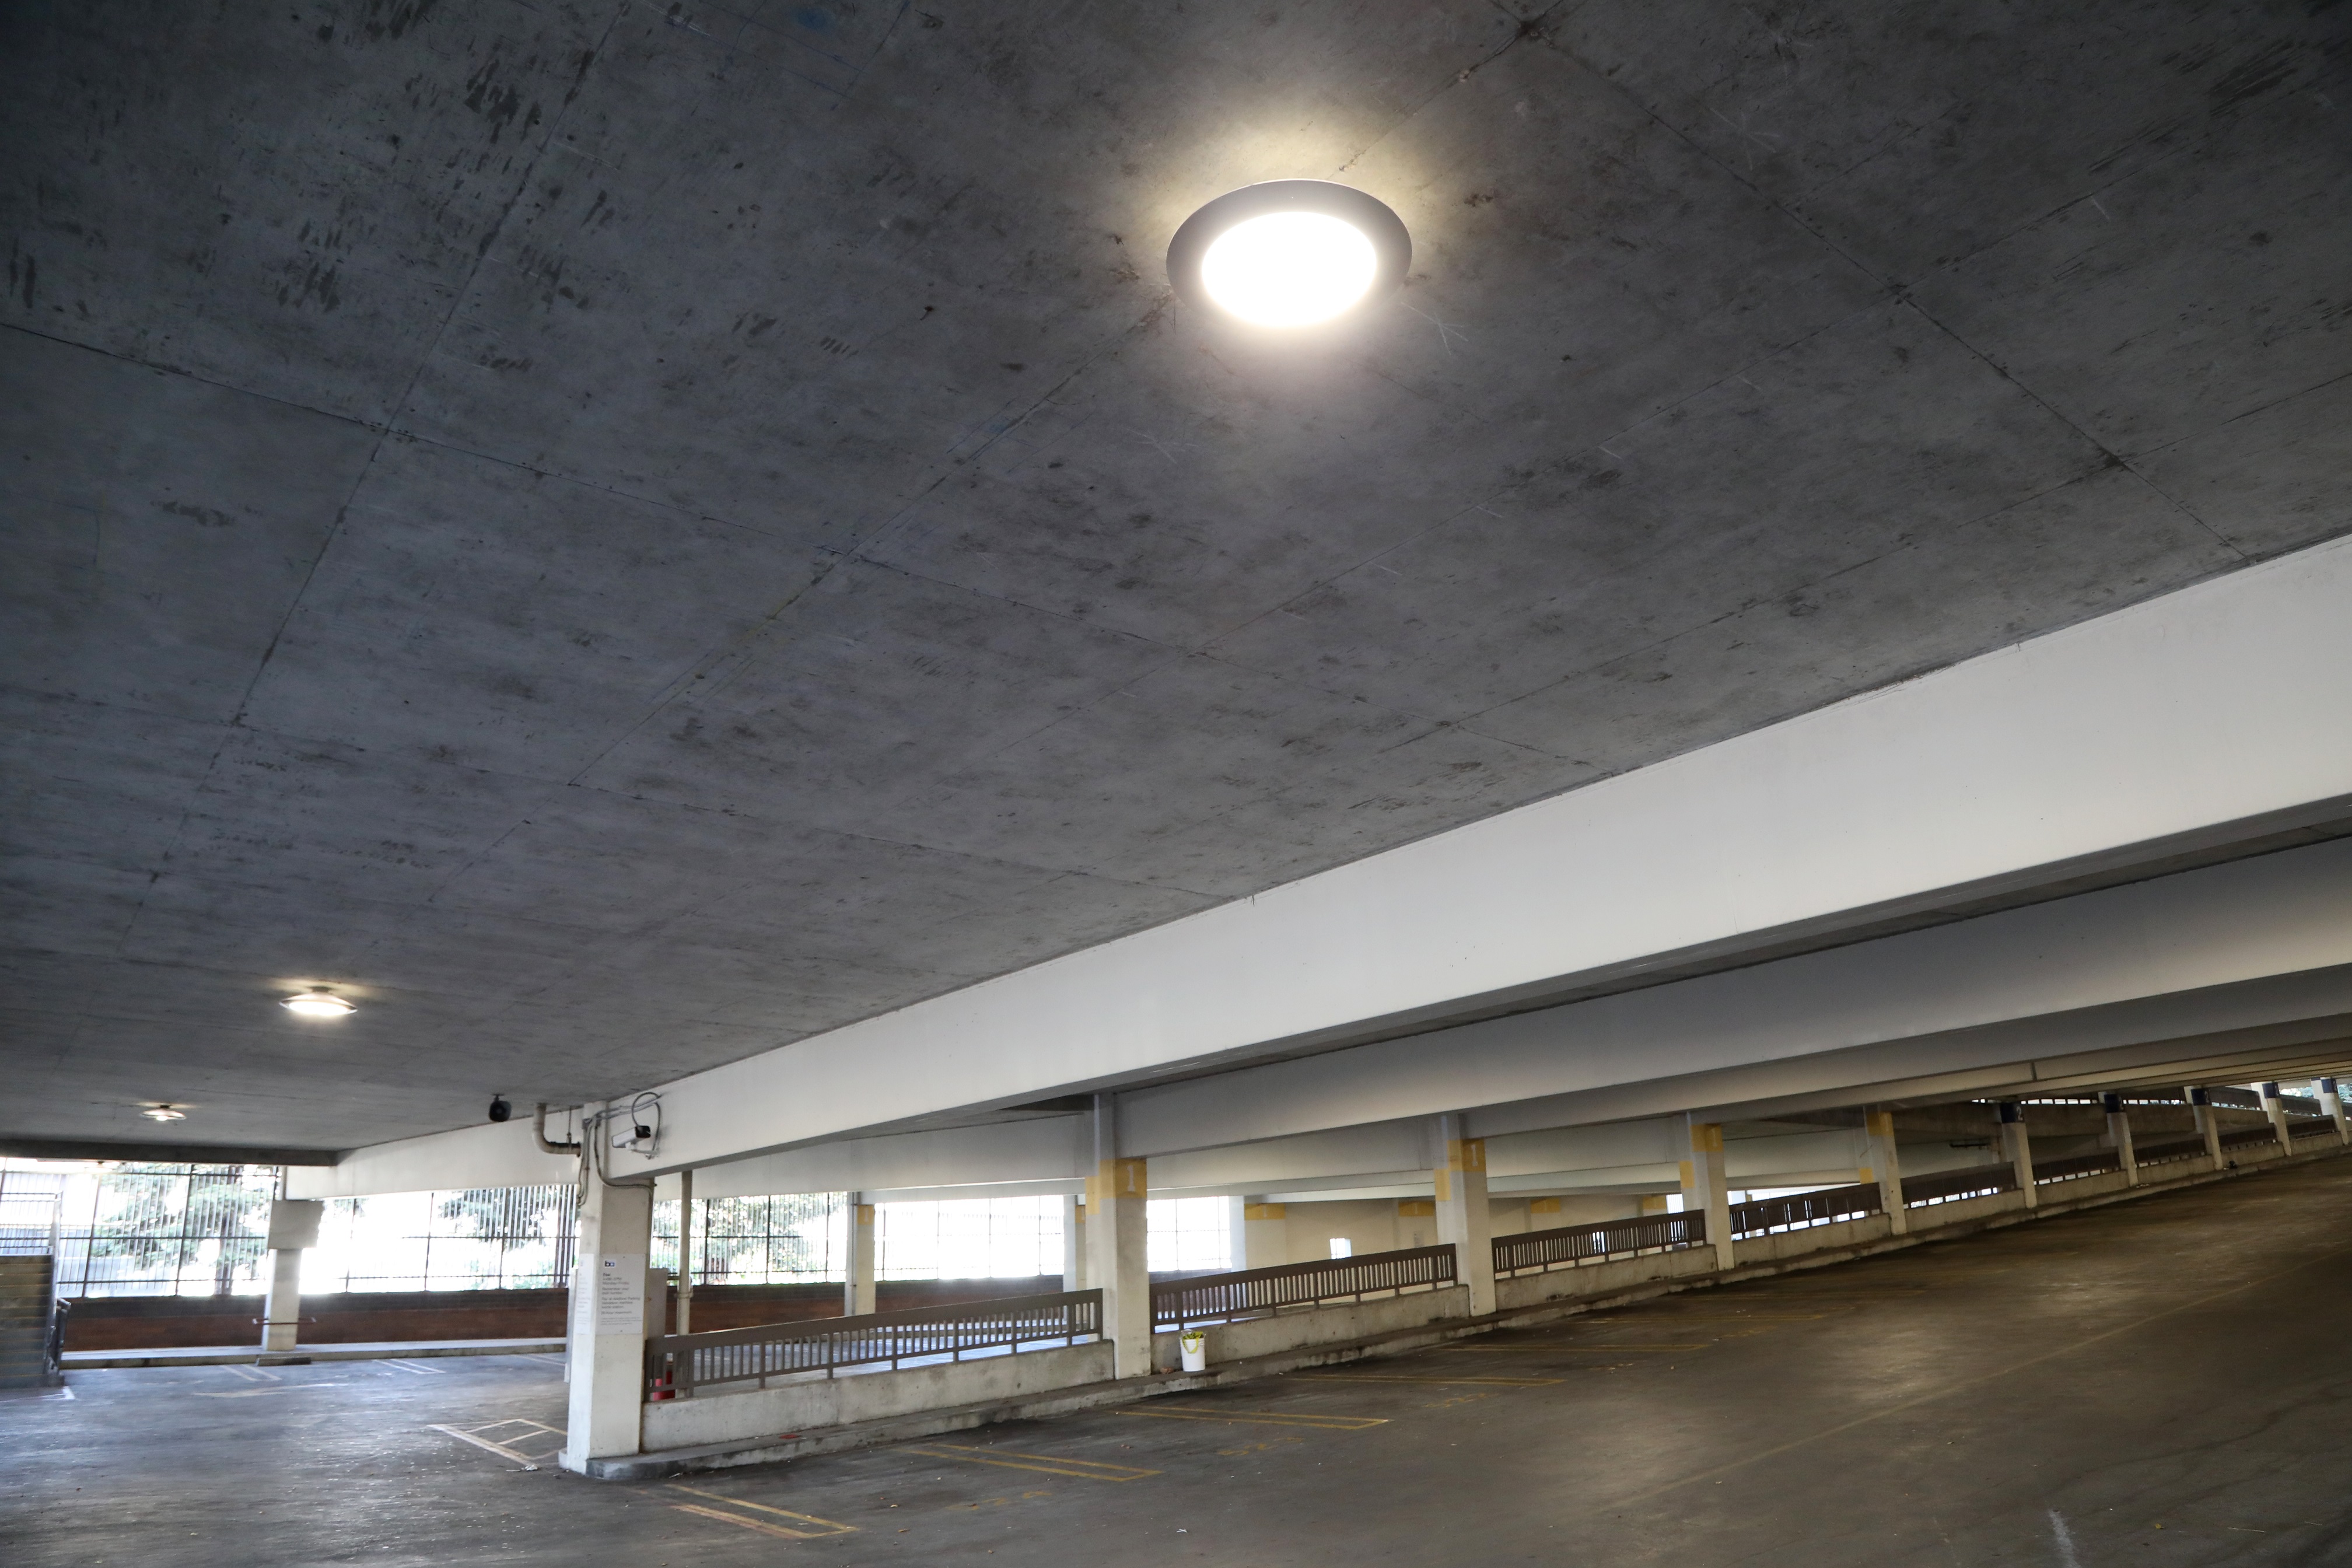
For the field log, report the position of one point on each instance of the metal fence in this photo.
(1804, 1209)
(2240, 1137)
(1950, 1186)
(2168, 1150)
(2098, 1163)
(1538, 1249)
(679, 1366)
(1259, 1292)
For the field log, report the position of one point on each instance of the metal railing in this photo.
(2241, 1137)
(1261, 1292)
(1592, 1243)
(2310, 1126)
(1950, 1186)
(2098, 1163)
(680, 1366)
(1804, 1209)
(2169, 1150)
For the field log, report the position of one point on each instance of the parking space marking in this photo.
(530, 1446)
(251, 1374)
(1052, 1464)
(417, 1367)
(1388, 1377)
(825, 1526)
(1259, 1417)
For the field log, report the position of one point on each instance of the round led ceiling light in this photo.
(1290, 253)
(317, 1002)
(164, 1113)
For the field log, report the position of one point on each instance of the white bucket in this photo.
(1194, 1344)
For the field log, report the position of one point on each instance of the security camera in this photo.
(500, 1109)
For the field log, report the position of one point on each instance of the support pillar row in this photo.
(609, 1307)
(857, 1289)
(2208, 1126)
(2276, 1109)
(2119, 1134)
(293, 1229)
(2332, 1104)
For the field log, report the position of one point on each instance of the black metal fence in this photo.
(1804, 1210)
(1538, 1249)
(679, 1365)
(1260, 1292)
(2098, 1163)
(1950, 1186)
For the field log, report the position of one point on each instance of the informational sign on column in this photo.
(621, 1293)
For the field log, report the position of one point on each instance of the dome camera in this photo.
(500, 1109)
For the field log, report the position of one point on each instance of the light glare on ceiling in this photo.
(163, 1114)
(317, 1002)
(1289, 269)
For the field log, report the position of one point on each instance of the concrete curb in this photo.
(1128, 1390)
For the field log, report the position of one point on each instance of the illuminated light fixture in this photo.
(1290, 253)
(163, 1114)
(317, 1002)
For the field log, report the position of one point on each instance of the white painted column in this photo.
(686, 1252)
(2119, 1134)
(1074, 1242)
(1465, 1217)
(857, 1290)
(1883, 1163)
(2332, 1102)
(608, 1324)
(2017, 1145)
(1705, 1188)
(293, 1229)
(1265, 1236)
(2276, 1109)
(2208, 1126)
(1117, 1259)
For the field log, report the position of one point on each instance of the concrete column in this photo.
(2119, 1134)
(1705, 1188)
(1119, 1261)
(1543, 1214)
(2276, 1109)
(1265, 1236)
(686, 1252)
(1883, 1166)
(608, 1324)
(2332, 1104)
(2208, 1126)
(1074, 1242)
(293, 1229)
(2017, 1145)
(1464, 1215)
(857, 1290)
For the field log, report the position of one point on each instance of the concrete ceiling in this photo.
(622, 536)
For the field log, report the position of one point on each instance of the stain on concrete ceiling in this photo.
(624, 535)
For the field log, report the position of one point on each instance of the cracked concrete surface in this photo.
(625, 535)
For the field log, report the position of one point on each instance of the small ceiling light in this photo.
(317, 1002)
(163, 1114)
(1290, 253)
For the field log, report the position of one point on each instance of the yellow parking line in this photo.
(1384, 1377)
(1569, 1349)
(1261, 1417)
(1053, 1465)
(826, 1526)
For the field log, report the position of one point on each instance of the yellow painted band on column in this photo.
(1443, 1179)
(1263, 1211)
(1688, 1181)
(1416, 1208)
(1865, 1174)
(1119, 1179)
(1707, 1138)
(1881, 1123)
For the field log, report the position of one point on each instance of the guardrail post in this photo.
(1464, 1218)
(2208, 1126)
(2017, 1144)
(1119, 1265)
(1706, 1187)
(2119, 1134)
(2332, 1104)
(608, 1324)
(1885, 1166)
(857, 1289)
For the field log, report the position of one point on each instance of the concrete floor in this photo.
(2157, 1382)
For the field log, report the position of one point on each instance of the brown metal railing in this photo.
(1259, 1292)
(2098, 1163)
(679, 1365)
(1804, 1209)
(1591, 1243)
(1948, 1186)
